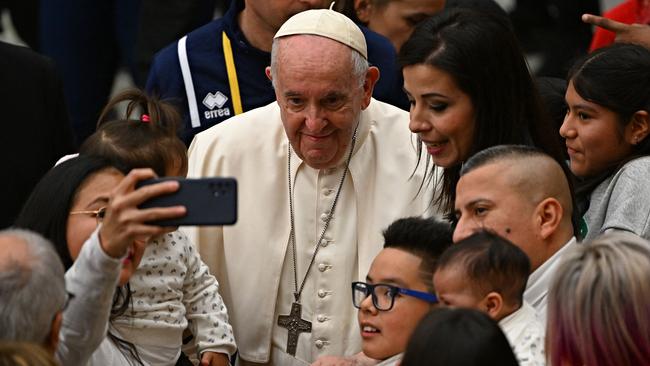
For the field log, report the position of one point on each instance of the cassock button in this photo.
(325, 243)
(319, 343)
(321, 318)
(322, 267)
(323, 217)
(321, 293)
(327, 192)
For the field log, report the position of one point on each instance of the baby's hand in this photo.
(214, 359)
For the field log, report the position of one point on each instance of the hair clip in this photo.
(144, 118)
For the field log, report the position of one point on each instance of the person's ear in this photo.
(268, 73)
(548, 215)
(52, 340)
(363, 9)
(493, 304)
(638, 128)
(369, 85)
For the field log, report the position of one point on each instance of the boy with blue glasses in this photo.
(398, 291)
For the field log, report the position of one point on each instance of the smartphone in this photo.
(209, 201)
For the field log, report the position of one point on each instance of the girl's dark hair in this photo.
(482, 55)
(147, 140)
(47, 210)
(459, 337)
(618, 78)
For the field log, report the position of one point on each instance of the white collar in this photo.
(539, 280)
(392, 360)
(516, 322)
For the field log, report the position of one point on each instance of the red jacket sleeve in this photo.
(624, 13)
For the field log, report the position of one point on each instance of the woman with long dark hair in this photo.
(88, 209)
(470, 89)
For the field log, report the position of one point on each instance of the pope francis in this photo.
(321, 172)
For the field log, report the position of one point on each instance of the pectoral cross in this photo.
(295, 325)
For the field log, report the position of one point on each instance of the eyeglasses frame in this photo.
(94, 213)
(370, 291)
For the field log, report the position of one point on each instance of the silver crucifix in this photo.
(295, 325)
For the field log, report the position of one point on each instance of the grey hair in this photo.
(598, 310)
(359, 64)
(32, 291)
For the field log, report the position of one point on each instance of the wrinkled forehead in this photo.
(302, 45)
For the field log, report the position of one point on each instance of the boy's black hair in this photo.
(425, 238)
(491, 263)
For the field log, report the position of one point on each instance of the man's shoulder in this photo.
(201, 39)
(18, 57)
(388, 117)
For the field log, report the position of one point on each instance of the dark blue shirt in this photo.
(210, 78)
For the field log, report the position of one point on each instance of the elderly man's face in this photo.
(320, 99)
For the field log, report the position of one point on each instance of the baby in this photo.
(489, 273)
(172, 289)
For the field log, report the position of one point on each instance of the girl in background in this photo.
(606, 131)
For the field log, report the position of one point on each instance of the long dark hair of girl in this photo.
(617, 78)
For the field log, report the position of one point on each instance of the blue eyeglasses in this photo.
(383, 295)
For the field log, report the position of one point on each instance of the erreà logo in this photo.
(217, 100)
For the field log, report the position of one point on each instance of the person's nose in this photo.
(567, 130)
(368, 306)
(314, 119)
(464, 228)
(418, 123)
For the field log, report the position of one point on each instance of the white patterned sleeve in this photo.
(205, 310)
(530, 348)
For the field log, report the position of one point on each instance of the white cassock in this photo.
(252, 259)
